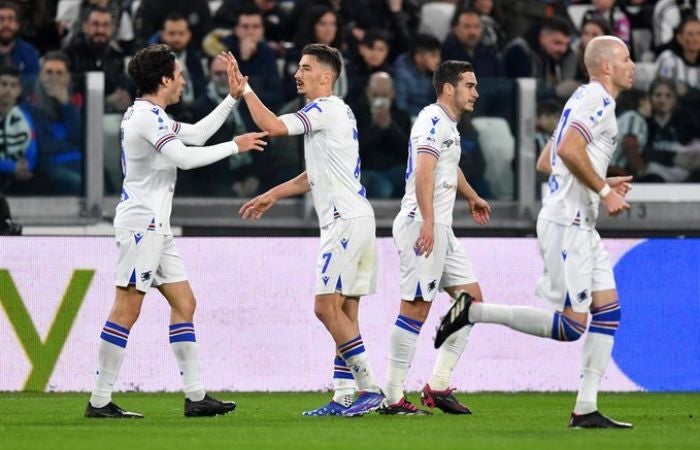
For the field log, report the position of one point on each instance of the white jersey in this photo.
(332, 158)
(434, 132)
(152, 150)
(591, 112)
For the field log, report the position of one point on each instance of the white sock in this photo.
(402, 348)
(110, 355)
(355, 356)
(525, 319)
(184, 345)
(594, 360)
(344, 385)
(448, 356)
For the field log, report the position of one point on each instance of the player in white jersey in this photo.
(578, 276)
(346, 264)
(153, 148)
(430, 254)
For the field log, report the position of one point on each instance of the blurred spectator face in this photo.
(468, 29)
(176, 33)
(547, 122)
(375, 54)
(10, 90)
(689, 37)
(326, 28)
(9, 26)
(483, 6)
(663, 99)
(98, 28)
(603, 5)
(554, 43)
(589, 31)
(427, 61)
(249, 27)
(53, 75)
(380, 86)
(265, 5)
(219, 77)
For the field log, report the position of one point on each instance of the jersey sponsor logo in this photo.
(344, 242)
(448, 143)
(325, 279)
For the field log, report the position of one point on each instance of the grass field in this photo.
(501, 421)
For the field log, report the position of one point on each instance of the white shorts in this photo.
(147, 259)
(347, 259)
(448, 265)
(575, 265)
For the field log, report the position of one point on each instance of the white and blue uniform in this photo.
(575, 262)
(434, 133)
(347, 261)
(153, 148)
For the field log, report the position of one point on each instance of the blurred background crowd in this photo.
(390, 47)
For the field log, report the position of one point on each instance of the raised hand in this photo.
(251, 141)
(236, 81)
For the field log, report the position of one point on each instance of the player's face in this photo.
(176, 85)
(310, 76)
(622, 67)
(465, 92)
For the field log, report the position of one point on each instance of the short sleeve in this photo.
(312, 117)
(588, 117)
(425, 135)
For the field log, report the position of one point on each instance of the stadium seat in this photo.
(435, 19)
(498, 146)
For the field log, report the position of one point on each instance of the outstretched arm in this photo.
(255, 208)
(186, 158)
(265, 119)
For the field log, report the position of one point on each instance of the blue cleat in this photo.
(330, 409)
(366, 402)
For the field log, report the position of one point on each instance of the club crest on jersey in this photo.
(432, 285)
(145, 276)
(582, 296)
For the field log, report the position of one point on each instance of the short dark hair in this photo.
(549, 106)
(460, 12)
(173, 16)
(248, 9)
(11, 71)
(373, 35)
(556, 24)
(598, 21)
(149, 65)
(326, 55)
(449, 72)
(56, 55)
(13, 6)
(97, 9)
(424, 43)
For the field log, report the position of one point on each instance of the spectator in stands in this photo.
(681, 62)
(632, 133)
(668, 14)
(371, 57)
(491, 16)
(18, 140)
(60, 125)
(465, 43)
(215, 179)
(671, 133)
(255, 57)
(383, 137)
(615, 16)
(591, 27)
(176, 33)
(150, 14)
(74, 16)
(544, 53)
(413, 74)
(548, 113)
(525, 15)
(275, 19)
(95, 50)
(15, 50)
(320, 24)
(39, 25)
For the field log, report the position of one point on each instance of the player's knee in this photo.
(566, 329)
(605, 319)
(125, 315)
(325, 311)
(185, 309)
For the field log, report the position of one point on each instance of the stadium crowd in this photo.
(390, 50)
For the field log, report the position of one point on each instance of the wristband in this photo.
(247, 89)
(605, 191)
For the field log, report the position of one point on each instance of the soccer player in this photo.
(346, 264)
(153, 148)
(431, 257)
(578, 276)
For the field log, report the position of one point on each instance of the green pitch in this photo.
(501, 421)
